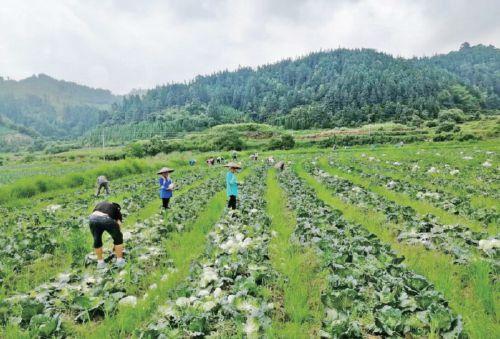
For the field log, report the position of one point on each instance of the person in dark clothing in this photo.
(107, 217)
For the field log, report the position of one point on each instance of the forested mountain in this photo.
(333, 88)
(52, 108)
(476, 66)
(325, 89)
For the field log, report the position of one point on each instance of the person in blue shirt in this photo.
(232, 184)
(166, 186)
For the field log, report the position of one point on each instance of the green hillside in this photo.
(325, 89)
(52, 108)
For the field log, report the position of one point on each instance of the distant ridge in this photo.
(51, 107)
(324, 89)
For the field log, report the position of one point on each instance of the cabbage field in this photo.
(361, 242)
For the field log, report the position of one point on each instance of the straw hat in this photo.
(232, 165)
(165, 170)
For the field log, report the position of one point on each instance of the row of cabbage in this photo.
(412, 228)
(85, 293)
(464, 175)
(369, 291)
(61, 226)
(223, 295)
(452, 203)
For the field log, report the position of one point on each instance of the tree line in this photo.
(330, 88)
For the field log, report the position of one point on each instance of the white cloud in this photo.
(125, 44)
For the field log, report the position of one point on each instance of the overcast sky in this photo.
(125, 44)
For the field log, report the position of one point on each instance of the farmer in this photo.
(280, 165)
(232, 184)
(107, 217)
(102, 182)
(166, 186)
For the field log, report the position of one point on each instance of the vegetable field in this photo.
(368, 242)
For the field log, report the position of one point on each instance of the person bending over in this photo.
(102, 182)
(107, 217)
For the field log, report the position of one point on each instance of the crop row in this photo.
(459, 205)
(60, 227)
(222, 296)
(369, 291)
(474, 179)
(86, 294)
(467, 175)
(426, 230)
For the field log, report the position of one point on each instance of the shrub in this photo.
(453, 114)
(75, 180)
(431, 123)
(29, 158)
(285, 142)
(136, 150)
(443, 137)
(468, 137)
(229, 141)
(445, 127)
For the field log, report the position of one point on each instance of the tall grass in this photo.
(30, 186)
(468, 289)
(301, 284)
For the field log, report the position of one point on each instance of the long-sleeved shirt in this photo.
(231, 184)
(102, 179)
(164, 191)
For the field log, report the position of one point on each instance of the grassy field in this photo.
(365, 241)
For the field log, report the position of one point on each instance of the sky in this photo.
(125, 44)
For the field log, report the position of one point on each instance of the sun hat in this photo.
(165, 170)
(232, 165)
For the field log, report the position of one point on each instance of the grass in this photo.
(31, 186)
(182, 249)
(421, 207)
(300, 288)
(73, 249)
(467, 288)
